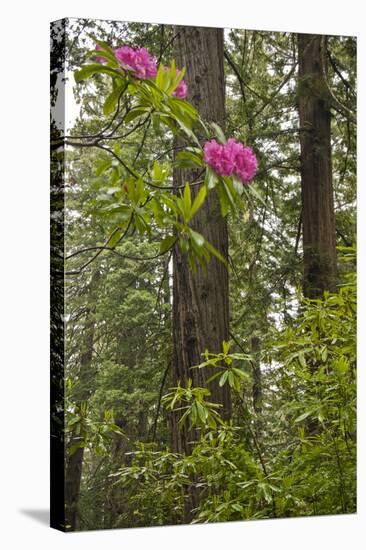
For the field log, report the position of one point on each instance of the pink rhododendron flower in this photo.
(181, 90)
(138, 60)
(213, 156)
(246, 164)
(218, 156)
(231, 158)
(100, 59)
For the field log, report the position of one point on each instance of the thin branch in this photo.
(163, 50)
(337, 105)
(338, 72)
(159, 400)
(100, 249)
(242, 83)
(270, 99)
(128, 169)
(298, 234)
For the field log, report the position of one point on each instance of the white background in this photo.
(24, 280)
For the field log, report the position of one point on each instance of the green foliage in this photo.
(305, 462)
(225, 364)
(197, 409)
(82, 430)
(126, 198)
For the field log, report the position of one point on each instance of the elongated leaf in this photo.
(215, 252)
(242, 374)
(109, 57)
(198, 201)
(114, 239)
(167, 243)
(187, 201)
(89, 70)
(102, 166)
(219, 133)
(302, 359)
(303, 416)
(223, 378)
(197, 237)
(134, 113)
(112, 100)
(202, 412)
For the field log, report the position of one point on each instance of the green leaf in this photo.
(105, 46)
(238, 185)
(243, 375)
(134, 113)
(156, 171)
(193, 413)
(251, 189)
(211, 178)
(75, 447)
(303, 416)
(102, 166)
(219, 133)
(215, 252)
(202, 412)
(89, 70)
(301, 359)
(188, 159)
(223, 378)
(197, 237)
(187, 201)
(231, 379)
(237, 507)
(225, 347)
(109, 57)
(167, 243)
(198, 201)
(114, 239)
(161, 77)
(184, 245)
(112, 100)
(74, 420)
(211, 422)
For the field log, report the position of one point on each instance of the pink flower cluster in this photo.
(231, 158)
(143, 64)
(138, 60)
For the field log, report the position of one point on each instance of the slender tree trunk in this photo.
(116, 501)
(75, 461)
(201, 299)
(319, 240)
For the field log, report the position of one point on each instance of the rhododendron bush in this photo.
(158, 95)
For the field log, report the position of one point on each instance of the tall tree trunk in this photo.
(75, 461)
(319, 241)
(201, 299)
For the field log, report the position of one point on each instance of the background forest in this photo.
(210, 349)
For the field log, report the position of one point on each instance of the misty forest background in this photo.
(281, 312)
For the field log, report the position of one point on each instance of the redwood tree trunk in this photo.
(319, 241)
(201, 299)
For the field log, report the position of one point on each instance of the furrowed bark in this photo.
(319, 241)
